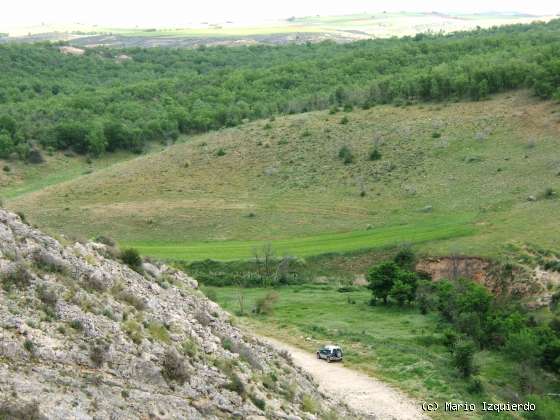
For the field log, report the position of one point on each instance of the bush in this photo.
(235, 384)
(19, 277)
(174, 366)
(259, 402)
(47, 296)
(29, 346)
(344, 120)
(375, 154)
(265, 304)
(463, 358)
(475, 386)
(523, 346)
(220, 152)
(129, 297)
(98, 353)
(309, 405)
(345, 154)
(406, 259)
(131, 257)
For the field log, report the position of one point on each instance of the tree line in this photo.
(472, 318)
(96, 103)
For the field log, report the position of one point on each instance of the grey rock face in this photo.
(84, 337)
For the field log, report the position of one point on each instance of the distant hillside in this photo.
(102, 99)
(452, 178)
(344, 28)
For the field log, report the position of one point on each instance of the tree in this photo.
(8, 124)
(381, 279)
(463, 358)
(405, 259)
(401, 292)
(7, 145)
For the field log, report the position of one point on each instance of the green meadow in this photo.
(398, 345)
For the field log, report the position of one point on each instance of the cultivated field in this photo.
(452, 178)
(344, 28)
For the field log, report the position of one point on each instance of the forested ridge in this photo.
(103, 102)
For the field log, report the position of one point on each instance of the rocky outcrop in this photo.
(83, 336)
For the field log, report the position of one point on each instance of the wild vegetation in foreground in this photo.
(443, 341)
(462, 178)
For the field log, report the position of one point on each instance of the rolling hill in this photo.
(452, 178)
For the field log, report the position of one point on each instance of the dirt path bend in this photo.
(369, 397)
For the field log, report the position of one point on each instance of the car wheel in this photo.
(329, 360)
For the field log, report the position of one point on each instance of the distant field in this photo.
(397, 345)
(414, 234)
(452, 178)
(297, 29)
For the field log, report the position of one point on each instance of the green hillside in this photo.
(455, 177)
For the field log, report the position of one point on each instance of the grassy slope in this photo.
(399, 346)
(286, 184)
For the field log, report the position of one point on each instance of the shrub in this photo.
(348, 108)
(344, 120)
(259, 402)
(220, 152)
(523, 346)
(235, 384)
(375, 154)
(76, 324)
(436, 135)
(19, 276)
(203, 318)
(47, 296)
(98, 353)
(134, 330)
(129, 297)
(549, 193)
(189, 348)
(158, 332)
(405, 258)
(265, 304)
(449, 338)
(463, 358)
(345, 154)
(105, 240)
(131, 257)
(35, 157)
(309, 405)
(11, 409)
(29, 346)
(174, 366)
(475, 386)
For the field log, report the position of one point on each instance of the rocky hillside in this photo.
(84, 336)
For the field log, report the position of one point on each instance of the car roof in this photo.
(331, 347)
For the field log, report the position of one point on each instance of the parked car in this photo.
(330, 353)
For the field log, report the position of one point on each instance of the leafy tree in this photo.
(381, 279)
(7, 145)
(463, 358)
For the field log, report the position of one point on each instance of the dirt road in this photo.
(367, 396)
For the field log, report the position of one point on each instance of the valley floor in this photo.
(367, 396)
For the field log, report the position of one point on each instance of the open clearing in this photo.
(457, 177)
(367, 396)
